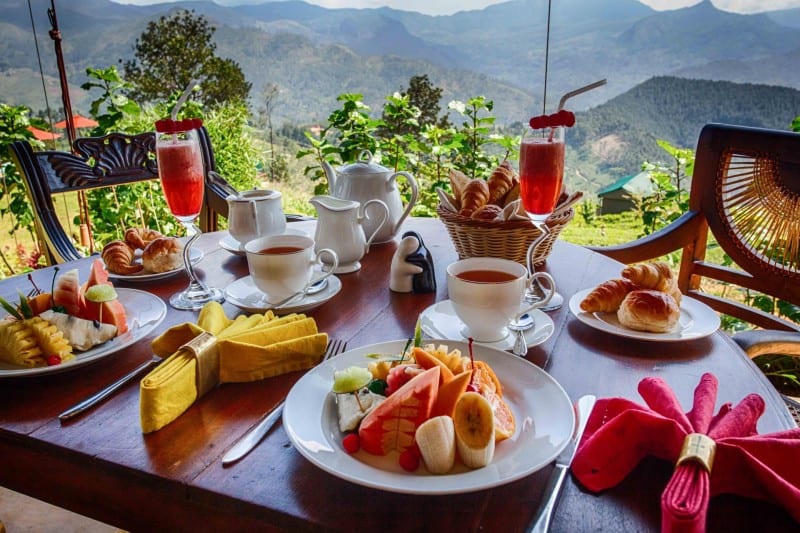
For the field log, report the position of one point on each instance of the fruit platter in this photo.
(535, 422)
(72, 323)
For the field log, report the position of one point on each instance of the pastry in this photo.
(475, 196)
(458, 182)
(139, 238)
(118, 257)
(500, 182)
(487, 212)
(655, 275)
(649, 310)
(162, 255)
(607, 296)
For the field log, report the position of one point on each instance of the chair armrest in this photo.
(768, 341)
(668, 239)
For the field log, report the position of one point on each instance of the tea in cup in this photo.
(282, 265)
(487, 293)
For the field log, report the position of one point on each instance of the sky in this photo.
(446, 7)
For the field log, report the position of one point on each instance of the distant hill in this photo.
(614, 139)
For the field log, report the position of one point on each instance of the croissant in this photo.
(500, 182)
(487, 212)
(649, 310)
(162, 255)
(475, 196)
(458, 182)
(118, 257)
(656, 275)
(139, 238)
(607, 297)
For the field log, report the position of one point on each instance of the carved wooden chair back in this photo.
(746, 192)
(114, 159)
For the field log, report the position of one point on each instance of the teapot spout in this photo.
(330, 174)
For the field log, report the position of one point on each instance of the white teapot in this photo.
(255, 213)
(363, 181)
(340, 227)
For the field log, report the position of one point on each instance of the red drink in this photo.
(181, 170)
(541, 172)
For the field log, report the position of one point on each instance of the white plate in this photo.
(440, 321)
(194, 254)
(144, 312)
(542, 409)
(229, 244)
(696, 320)
(244, 294)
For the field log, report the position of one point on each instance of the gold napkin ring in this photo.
(700, 448)
(204, 349)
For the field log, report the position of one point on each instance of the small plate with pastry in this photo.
(644, 303)
(146, 255)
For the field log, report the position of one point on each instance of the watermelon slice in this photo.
(113, 311)
(68, 293)
(391, 425)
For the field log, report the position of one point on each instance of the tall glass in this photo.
(180, 168)
(541, 175)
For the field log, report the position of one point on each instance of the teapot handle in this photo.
(384, 219)
(254, 216)
(411, 202)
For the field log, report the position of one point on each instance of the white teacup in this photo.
(487, 293)
(282, 265)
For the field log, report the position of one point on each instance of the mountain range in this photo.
(314, 54)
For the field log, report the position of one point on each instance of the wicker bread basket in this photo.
(507, 239)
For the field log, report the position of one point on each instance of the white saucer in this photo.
(440, 321)
(228, 243)
(244, 294)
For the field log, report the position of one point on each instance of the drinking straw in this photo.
(585, 88)
(546, 59)
(185, 96)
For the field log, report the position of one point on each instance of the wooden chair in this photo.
(114, 159)
(746, 192)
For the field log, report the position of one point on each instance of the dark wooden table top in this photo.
(101, 465)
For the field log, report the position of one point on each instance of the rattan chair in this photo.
(114, 159)
(746, 192)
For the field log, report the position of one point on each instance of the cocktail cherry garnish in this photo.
(562, 118)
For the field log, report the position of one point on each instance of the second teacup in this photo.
(282, 265)
(487, 293)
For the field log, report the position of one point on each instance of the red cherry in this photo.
(351, 443)
(409, 460)
(566, 118)
(53, 360)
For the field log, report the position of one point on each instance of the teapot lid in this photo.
(364, 165)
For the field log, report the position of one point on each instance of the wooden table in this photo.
(102, 466)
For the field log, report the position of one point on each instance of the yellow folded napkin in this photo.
(247, 348)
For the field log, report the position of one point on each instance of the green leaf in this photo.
(10, 309)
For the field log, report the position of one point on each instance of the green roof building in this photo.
(621, 195)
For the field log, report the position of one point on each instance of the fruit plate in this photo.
(543, 413)
(144, 312)
(696, 320)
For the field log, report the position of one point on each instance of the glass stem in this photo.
(536, 292)
(194, 283)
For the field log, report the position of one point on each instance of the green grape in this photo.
(350, 379)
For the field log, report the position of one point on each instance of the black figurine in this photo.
(412, 266)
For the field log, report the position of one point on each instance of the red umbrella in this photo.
(79, 121)
(43, 135)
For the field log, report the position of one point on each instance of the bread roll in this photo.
(475, 196)
(649, 310)
(487, 212)
(118, 257)
(162, 255)
(607, 297)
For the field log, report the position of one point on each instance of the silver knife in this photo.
(96, 398)
(542, 518)
(253, 437)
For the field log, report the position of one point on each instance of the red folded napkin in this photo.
(620, 433)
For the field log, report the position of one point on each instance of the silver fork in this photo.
(252, 438)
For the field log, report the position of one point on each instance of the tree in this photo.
(177, 49)
(425, 97)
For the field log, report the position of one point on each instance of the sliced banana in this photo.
(436, 439)
(473, 420)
